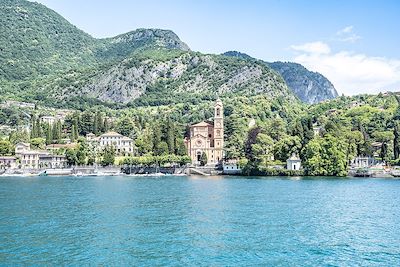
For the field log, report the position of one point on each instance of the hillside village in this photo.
(56, 141)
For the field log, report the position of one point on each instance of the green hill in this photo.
(47, 60)
(36, 41)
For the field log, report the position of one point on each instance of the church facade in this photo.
(207, 137)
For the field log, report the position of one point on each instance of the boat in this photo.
(395, 173)
(55, 172)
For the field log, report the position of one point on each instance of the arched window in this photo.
(218, 111)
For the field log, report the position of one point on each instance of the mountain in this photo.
(47, 60)
(310, 87)
(156, 77)
(35, 40)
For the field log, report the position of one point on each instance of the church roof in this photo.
(203, 123)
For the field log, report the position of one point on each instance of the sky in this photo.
(354, 43)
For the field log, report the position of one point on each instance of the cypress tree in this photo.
(33, 128)
(156, 136)
(170, 136)
(49, 135)
(396, 143)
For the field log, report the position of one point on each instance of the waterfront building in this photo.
(123, 145)
(293, 163)
(208, 138)
(30, 159)
(52, 161)
(7, 162)
(363, 162)
(231, 167)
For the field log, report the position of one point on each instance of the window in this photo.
(218, 112)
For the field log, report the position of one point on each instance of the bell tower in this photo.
(218, 130)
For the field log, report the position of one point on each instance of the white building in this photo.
(363, 162)
(48, 119)
(231, 168)
(293, 163)
(29, 159)
(52, 161)
(123, 145)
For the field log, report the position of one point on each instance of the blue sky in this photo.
(354, 43)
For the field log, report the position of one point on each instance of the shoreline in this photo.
(225, 176)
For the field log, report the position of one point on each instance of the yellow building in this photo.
(208, 137)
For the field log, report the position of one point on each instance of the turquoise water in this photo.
(183, 221)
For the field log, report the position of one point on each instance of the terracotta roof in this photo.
(57, 146)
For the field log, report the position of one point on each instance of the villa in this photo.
(123, 145)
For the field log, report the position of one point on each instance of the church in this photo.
(207, 137)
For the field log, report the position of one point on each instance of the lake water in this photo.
(197, 221)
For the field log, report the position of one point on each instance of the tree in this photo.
(108, 156)
(203, 159)
(86, 122)
(18, 136)
(396, 141)
(5, 147)
(57, 131)
(49, 134)
(74, 133)
(38, 143)
(144, 142)
(263, 150)
(70, 155)
(34, 128)
(156, 136)
(384, 137)
(126, 127)
(183, 160)
(287, 146)
(170, 136)
(326, 156)
(81, 153)
(98, 123)
(180, 147)
(162, 149)
(251, 140)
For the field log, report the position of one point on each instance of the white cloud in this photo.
(353, 73)
(313, 48)
(347, 35)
